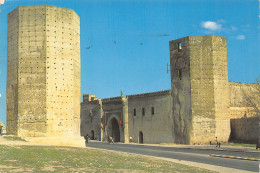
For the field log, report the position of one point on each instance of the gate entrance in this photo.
(141, 136)
(92, 135)
(115, 130)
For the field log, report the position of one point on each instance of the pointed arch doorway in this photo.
(141, 137)
(115, 130)
(92, 135)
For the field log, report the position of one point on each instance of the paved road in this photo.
(194, 154)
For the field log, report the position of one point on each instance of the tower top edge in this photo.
(195, 37)
(42, 5)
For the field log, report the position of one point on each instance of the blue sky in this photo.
(125, 43)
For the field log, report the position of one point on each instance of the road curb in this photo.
(235, 157)
(211, 167)
(206, 147)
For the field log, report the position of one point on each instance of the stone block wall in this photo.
(91, 118)
(199, 80)
(62, 71)
(43, 79)
(244, 100)
(202, 88)
(113, 113)
(151, 114)
(181, 90)
(245, 129)
(32, 107)
(200, 104)
(221, 87)
(12, 72)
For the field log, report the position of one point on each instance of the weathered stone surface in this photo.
(90, 116)
(156, 127)
(203, 99)
(97, 117)
(245, 129)
(196, 110)
(43, 71)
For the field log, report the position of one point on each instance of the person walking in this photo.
(111, 139)
(86, 139)
(218, 142)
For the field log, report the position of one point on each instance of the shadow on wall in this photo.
(245, 130)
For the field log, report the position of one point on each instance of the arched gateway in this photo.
(92, 136)
(141, 137)
(115, 130)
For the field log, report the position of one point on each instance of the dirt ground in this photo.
(52, 141)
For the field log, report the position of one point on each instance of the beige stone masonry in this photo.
(43, 71)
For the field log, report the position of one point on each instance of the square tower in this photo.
(199, 82)
(43, 71)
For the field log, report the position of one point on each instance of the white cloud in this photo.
(2, 1)
(233, 28)
(213, 26)
(0, 95)
(240, 37)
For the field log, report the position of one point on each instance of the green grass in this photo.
(240, 144)
(235, 144)
(13, 138)
(69, 159)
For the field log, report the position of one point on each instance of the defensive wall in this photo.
(43, 71)
(245, 130)
(90, 116)
(203, 98)
(146, 118)
(200, 86)
(43, 87)
(244, 100)
(197, 109)
(150, 115)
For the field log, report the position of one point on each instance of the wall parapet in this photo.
(151, 94)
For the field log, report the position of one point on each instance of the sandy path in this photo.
(50, 141)
(4, 141)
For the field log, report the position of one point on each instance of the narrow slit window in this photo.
(180, 74)
(152, 110)
(134, 112)
(179, 46)
(143, 111)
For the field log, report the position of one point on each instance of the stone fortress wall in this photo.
(244, 99)
(90, 116)
(43, 71)
(204, 100)
(199, 83)
(43, 87)
(148, 114)
(245, 130)
(198, 107)
(151, 115)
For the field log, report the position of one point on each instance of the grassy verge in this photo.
(240, 144)
(69, 159)
(13, 138)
